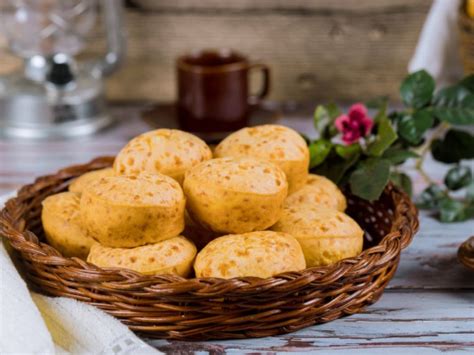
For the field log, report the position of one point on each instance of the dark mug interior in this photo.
(211, 59)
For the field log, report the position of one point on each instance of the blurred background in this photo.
(318, 50)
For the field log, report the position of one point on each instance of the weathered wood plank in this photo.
(273, 5)
(366, 44)
(400, 322)
(430, 262)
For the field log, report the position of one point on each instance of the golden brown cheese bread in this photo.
(260, 254)
(326, 235)
(235, 195)
(62, 225)
(171, 256)
(129, 211)
(278, 144)
(319, 190)
(167, 151)
(79, 184)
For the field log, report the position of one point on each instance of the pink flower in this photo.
(355, 125)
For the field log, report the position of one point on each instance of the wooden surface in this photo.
(428, 307)
(366, 43)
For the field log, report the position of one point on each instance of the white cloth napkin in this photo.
(438, 46)
(31, 323)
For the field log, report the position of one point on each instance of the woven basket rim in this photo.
(24, 240)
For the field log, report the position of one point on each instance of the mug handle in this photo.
(256, 99)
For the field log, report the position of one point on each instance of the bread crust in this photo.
(325, 235)
(129, 211)
(167, 151)
(235, 195)
(260, 254)
(171, 256)
(319, 190)
(274, 143)
(80, 184)
(63, 226)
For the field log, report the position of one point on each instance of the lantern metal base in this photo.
(28, 110)
(64, 130)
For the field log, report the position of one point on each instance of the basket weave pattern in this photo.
(173, 307)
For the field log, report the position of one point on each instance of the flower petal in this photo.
(357, 111)
(367, 123)
(350, 137)
(341, 121)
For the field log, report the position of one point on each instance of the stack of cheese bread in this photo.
(251, 208)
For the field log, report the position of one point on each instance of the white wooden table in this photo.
(428, 308)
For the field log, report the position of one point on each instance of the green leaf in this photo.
(455, 146)
(333, 111)
(469, 210)
(451, 96)
(321, 118)
(330, 131)
(324, 117)
(470, 192)
(462, 114)
(451, 210)
(370, 177)
(417, 89)
(381, 114)
(403, 181)
(411, 127)
(386, 135)
(458, 177)
(455, 104)
(398, 155)
(318, 151)
(468, 82)
(431, 196)
(347, 151)
(380, 104)
(334, 167)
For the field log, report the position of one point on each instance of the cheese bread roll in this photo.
(79, 184)
(235, 195)
(278, 144)
(171, 256)
(167, 151)
(326, 235)
(319, 190)
(259, 254)
(129, 211)
(62, 225)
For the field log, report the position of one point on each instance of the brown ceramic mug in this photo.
(213, 90)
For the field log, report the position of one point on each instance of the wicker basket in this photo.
(466, 39)
(466, 253)
(206, 308)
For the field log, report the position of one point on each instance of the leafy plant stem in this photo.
(425, 148)
(365, 153)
